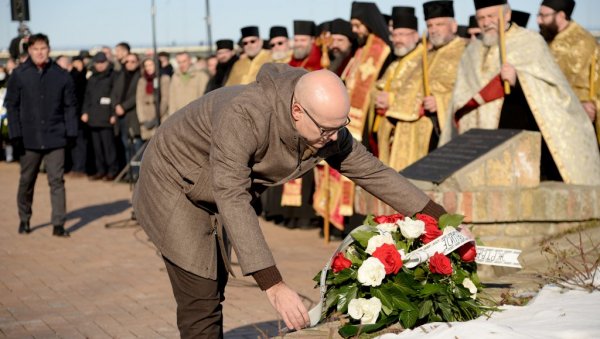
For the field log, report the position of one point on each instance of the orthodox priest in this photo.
(279, 44)
(306, 53)
(245, 69)
(226, 58)
(575, 50)
(540, 97)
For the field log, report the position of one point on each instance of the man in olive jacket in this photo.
(212, 159)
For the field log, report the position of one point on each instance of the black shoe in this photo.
(60, 231)
(24, 227)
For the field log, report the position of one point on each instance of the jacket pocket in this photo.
(198, 186)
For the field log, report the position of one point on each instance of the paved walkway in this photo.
(110, 282)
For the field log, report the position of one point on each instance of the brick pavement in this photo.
(111, 283)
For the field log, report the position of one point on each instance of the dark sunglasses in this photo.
(278, 43)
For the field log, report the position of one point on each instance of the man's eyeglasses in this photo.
(251, 41)
(278, 43)
(325, 131)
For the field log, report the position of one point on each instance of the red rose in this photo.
(439, 263)
(388, 219)
(432, 230)
(389, 257)
(340, 263)
(467, 252)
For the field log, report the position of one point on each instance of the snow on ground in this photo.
(554, 313)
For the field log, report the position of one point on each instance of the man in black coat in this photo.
(124, 104)
(42, 116)
(98, 114)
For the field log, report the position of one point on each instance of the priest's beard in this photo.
(402, 51)
(549, 31)
(278, 55)
(338, 58)
(362, 40)
(439, 41)
(301, 53)
(489, 39)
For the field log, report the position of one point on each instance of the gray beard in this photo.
(489, 40)
(300, 54)
(279, 55)
(402, 51)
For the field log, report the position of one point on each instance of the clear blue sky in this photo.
(79, 24)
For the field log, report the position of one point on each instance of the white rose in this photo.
(371, 309)
(412, 229)
(355, 308)
(365, 310)
(379, 240)
(371, 272)
(388, 227)
(449, 229)
(468, 284)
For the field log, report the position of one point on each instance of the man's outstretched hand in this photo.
(289, 305)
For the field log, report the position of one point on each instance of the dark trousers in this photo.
(105, 150)
(131, 143)
(55, 168)
(79, 151)
(199, 308)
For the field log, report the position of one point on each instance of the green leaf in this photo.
(419, 274)
(387, 304)
(343, 276)
(317, 277)
(446, 312)
(349, 330)
(353, 255)
(331, 298)
(370, 220)
(346, 294)
(430, 289)
(363, 237)
(425, 308)
(408, 319)
(450, 220)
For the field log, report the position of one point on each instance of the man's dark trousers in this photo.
(55, 167)
(199, 300)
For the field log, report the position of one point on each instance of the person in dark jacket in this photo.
(78, 151)
(99, 116)
(42, 117)
(226, 57)
(123, 101)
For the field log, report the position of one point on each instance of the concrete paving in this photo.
(111, 282)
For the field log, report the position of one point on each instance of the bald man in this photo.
(208, 162)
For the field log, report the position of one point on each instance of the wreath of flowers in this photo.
(369, 283)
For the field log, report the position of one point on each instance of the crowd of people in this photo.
(410, 92)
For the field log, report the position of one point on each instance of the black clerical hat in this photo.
(305, 27)
(404, 17)
(369, 15)
(488, 3)
(277, 31)
(224, 44)
(438, 9)
(249, 31)
(324, 27)
(520, 18)
(473, 22)
(403, 10)
(343, 27)
(566, 6)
